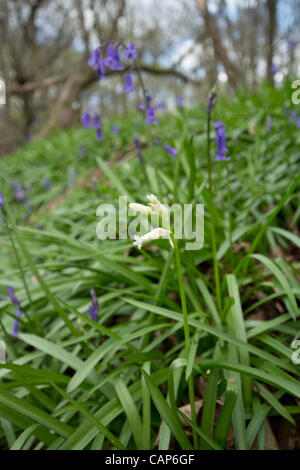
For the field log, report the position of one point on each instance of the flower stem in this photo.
(229, 215)
(212, 215)
(31, 320)
(186, 334)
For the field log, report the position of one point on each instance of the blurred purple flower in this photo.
(290, 44)
(128, 84)
(101, 68)
(15, 300)
(47, 184)
(148, 98)
(86, 119)
(99, 133)
(94, 59)
(221, 142)
(141, 107)
(12, 296)
(15, 328)
(1, 206)
(97, 62)
(115, 129)
(156, 141)
(96, 121)
(72, 178)
(18, 192)
(94, 307)
(171, 151)
(113, 59)
(275, 69)
(130, 53)
(160, 107)
(1, 200)
(293, 116)
(81, 150)
(150, 117)
(211, 102)
(94, 183)
(180, 101)
(137, 144)
(268, 124)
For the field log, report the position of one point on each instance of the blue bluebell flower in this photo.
(141, 107)
(112, 60)
(94, 59)
(211, 102)
(129, 87)
(293, 116)
(160, 106)
(148, 98)
(81, 150)
(290, 44)
(12, 296)
(15, 300)
(72, 178)
(86, 119)
(47, 184)
(130, 53)
(150, 116)
(99, 133)
(115, 129)
(96, 121)
(18, 191)
(140, 156)
(180, 101)
(1, 205)
(275, 69)
(15, 328)
(171, 150)
(94, 307)
(221, 142)
(1, 200)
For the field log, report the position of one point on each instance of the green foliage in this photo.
(124, 381)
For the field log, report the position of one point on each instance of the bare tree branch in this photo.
(90, 75)
(30, 87)
(220, 49)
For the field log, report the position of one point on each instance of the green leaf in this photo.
(18, 444)
(209, 405)
(115, 441)
(167, 413)
(272, 400)
(223, 424)
(25, 408)
(281, 279)
(131, 412)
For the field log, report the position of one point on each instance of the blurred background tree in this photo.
(184, 47)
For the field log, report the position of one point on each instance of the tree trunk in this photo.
(271, 32)
(220, 50)
(62, 114)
